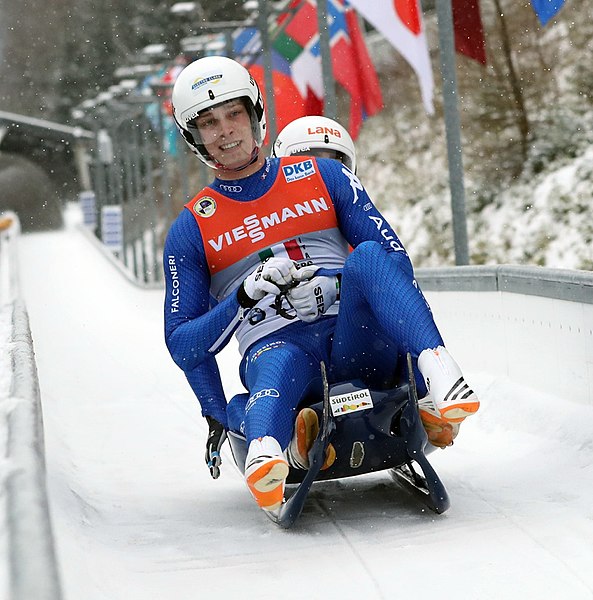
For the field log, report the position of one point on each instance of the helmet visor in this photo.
(210, 126)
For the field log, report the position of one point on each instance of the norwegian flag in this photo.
(298, 42)
(352, 65)
(296, 50)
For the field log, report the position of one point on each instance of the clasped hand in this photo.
(310, 295)
(271, 277)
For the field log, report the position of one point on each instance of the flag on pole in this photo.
(298, 41)
(296, 51)
(546, 9)
(289, 103)
(352, 65)
(468, 30)
(247, 45)
(400, 22)
(291, 38)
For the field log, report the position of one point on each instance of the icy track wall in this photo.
(29, 569)
(531, 324)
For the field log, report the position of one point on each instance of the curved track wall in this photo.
(532, 324)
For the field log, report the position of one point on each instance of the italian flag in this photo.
(292, 248)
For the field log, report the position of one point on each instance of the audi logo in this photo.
(231, 188)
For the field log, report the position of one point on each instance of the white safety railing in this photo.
(30, 570)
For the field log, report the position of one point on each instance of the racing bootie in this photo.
(306, 430)
(440, 432)
(449, 398)
(266, 471)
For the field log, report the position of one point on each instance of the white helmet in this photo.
(210, 81)
(308, 135)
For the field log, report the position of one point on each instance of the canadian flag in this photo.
(400, 22)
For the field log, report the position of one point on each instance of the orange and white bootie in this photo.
(306, 430)
(440, 432)
(449, 401)
(266, 471)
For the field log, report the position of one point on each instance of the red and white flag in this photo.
(400, 22)
(352, 67)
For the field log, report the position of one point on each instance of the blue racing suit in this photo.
(382, 313)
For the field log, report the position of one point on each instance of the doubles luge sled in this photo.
(371, 430)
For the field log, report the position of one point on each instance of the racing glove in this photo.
(216, 438)
(268, 278)
(313, 295)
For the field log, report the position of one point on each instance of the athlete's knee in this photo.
(366, 249)
(361, 258)
(372, 257)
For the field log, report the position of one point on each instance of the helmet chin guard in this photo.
(206, 83)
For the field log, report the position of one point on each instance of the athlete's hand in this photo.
(268, 278)
(304, 272)
(313, 295)
(216, 438)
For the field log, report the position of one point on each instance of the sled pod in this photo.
(371, 430)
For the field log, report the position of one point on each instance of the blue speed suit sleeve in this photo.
(194, 328)
(358, 217)
(207, 386)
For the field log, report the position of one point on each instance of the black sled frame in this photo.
(388, 435)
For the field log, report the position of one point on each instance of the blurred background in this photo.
(101, 72)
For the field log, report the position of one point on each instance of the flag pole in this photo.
(452, 129)
(330, 109)
(268, 70)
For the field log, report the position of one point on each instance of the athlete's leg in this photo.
(276, 374)
(235, 412)
(381, 284)
(383, 314)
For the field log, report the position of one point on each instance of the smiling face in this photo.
(226, 133)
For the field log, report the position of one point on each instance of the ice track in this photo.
(136, 515)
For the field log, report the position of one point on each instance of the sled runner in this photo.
(371, 430)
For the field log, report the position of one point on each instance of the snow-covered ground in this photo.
(136, 515)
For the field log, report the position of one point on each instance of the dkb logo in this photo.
(298, 170)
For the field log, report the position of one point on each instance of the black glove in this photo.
(216, 438)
